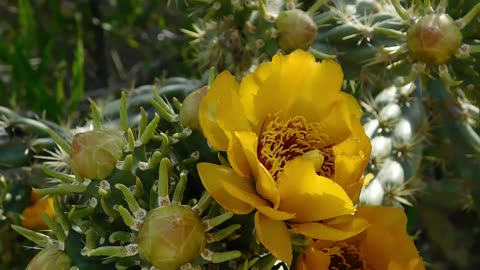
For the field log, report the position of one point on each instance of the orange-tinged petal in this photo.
(274, 235)
(264, 183)
(332, 232)
(310, 196)
(221, 110)
(292, 86)
(32, 216)
(215, 176)
(388, 217)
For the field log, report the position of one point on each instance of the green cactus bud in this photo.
(297, 30)
(188, 114)
(171, 236)
(434, 39)
(50, 259)
(95, 153)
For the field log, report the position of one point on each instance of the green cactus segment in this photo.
(124, 206)
(394, 122)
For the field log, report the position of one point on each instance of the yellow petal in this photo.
(386, 244)
(221, 109)
(293, 85)
(32, 215)
(236, 156)
(248, 195)
(313, 259)
(337, 120)
(264, 183)
(310, 196)
(332, 232)
(274, 235)
(214, 177)
(351, 159)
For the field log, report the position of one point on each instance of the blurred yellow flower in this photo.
(32, 215)
(384, 245)
(295, 144)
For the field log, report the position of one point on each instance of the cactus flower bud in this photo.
(171, 236)
(297, 30)
(188, 115)
(95, 153)
(50, 259)
(434, 39)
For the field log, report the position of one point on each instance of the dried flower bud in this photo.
(188, 115)
(171, 236)
(434, 39)
(50, 259)
(297, 30)
(95, 153)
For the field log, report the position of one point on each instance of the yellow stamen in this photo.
(345, 257)
(281, 141)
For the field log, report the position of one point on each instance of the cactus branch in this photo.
(474, 12)
(401, 10)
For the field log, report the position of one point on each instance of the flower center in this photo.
(345, 257)
(282, 141)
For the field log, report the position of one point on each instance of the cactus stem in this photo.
(139, 189)
(61, 189)
(391, 33)
(219, 257)
(474, 48)
(154, 160)
(318, 4)
(114, 251)
(126, 164)
(192, 158)
(69, 179)
(182, 134)
(179, 189)
(401, 10)
(123, 112)
(131, 201)
(39, 239)
(95, 115)
(417, 69)
(162, 188)
(203, 203)
(463, 52)
(150, 130)
(214, 222)
(321, 55)
(177, 103)
(224, 233)
(90, 239)
(142, 124)
(128, 218)
(60, 141)
(122, 237)
(131, 140)
(61, 217)
(55, 227)
(76, 213)
(473, 13)
(107, 209)
(446, 77)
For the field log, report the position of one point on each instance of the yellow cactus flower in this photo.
(384, 245)
(32, 215)
(296, 148)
